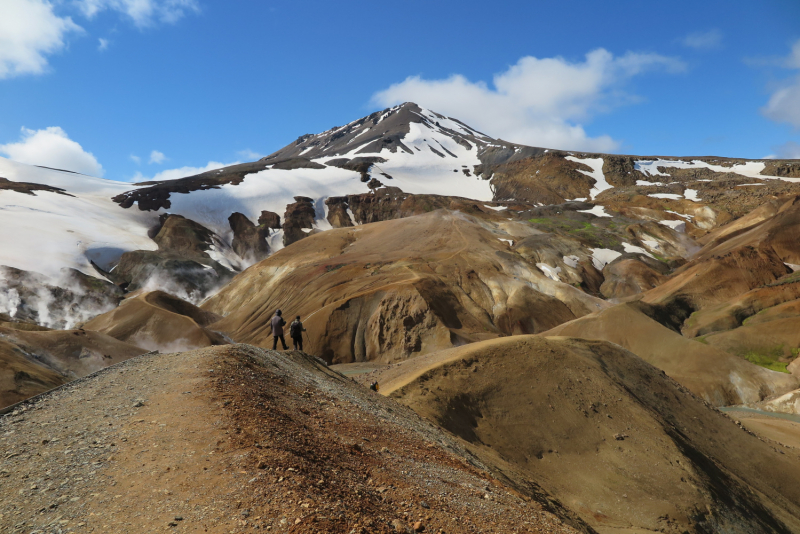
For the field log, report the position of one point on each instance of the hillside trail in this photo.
(238, 439)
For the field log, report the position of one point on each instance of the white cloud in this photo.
(788, 150)
(784, 104)
(182, 172)
(29, 32)
(537, 101)
(136, 159)
(52, 147)
(102, 44)
(707, 40)
(250, 155)
(142, 12)
(157, 157)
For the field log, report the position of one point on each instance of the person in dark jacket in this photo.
(296, 332)
(277, 330)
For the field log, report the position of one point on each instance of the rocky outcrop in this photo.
(298, 221)
(548, 178)
(152, 196)
(361, 164)
(270, 219)
(620, 171)
(249, 240)
(181, 265)
(782, 168)
(29, 188)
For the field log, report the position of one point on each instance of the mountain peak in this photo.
(388, 130)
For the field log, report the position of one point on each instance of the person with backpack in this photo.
(277, 330)
(296, 332)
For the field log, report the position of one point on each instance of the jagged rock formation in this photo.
(182, 261)
(249, 240)
(298, 221)
(270, 220)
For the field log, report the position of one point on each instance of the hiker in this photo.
(277, 330)
(296, 332)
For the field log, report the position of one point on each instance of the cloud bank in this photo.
(141, 12)
(538, 102)
(30, 31)
(181, 172)
(52, 147)
(707, 40)
(157, 157)
(784, 104)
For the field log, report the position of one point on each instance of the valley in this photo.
(561, 341)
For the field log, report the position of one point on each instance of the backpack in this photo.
(295, 329)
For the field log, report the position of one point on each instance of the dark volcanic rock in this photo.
(181, 264)
(29, 188)
(620, 171)
(180, 235)
(270, 220)
(361, 165)
(249, 240)
(156, 195)
(298, 216)
(296, 163)
(386, 203)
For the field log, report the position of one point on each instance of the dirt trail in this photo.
(234, 439)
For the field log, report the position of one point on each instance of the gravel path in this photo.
(235, 439)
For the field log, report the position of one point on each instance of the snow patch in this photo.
(691, 194)
(678, 226)
(549, 271)
(633, 249)
(596, 164)
(670, 196)
(603, 256)
(571, 261)
(597, 211)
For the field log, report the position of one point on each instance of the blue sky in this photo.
(134, 89)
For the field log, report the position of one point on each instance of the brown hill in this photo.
(606, 433)
(718, 377)
(36, 360)
(158, 321)
(399, 288)
(747, 254)
(236, 439)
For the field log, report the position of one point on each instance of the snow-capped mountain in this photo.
(62, 219)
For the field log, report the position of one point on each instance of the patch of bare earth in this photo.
(237, 439)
